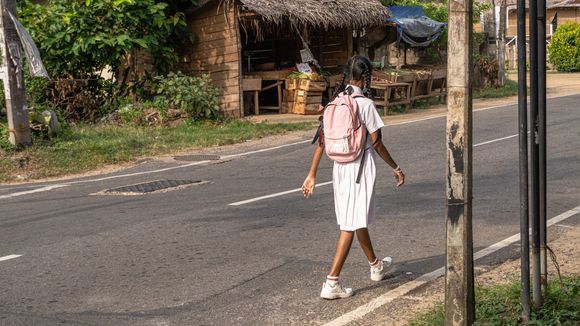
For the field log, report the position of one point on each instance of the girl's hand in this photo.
(308, 186)
(399, 177)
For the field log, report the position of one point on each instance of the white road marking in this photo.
(48, 188)
(139, 173)
(9, 257)
(278, 194)
(409, 286)
(275, 195)
(495, 140)
(28, 192)
(225, 157)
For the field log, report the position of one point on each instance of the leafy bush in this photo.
(4, 142)
(565, 48)
(79, 39)
(196, 96)
(131, 114)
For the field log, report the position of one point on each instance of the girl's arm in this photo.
(310, 181)
(386, 156)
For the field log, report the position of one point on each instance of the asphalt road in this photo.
(187, 257)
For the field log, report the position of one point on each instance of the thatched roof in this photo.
(317, 13)
(320, 13)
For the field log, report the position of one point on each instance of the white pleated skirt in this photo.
(354, 203)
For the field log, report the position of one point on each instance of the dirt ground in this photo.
(565, 246)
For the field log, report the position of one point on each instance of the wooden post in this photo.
(13, 77)
(459, 283)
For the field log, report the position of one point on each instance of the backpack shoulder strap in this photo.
(319, 136)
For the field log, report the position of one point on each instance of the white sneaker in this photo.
(335, 292)
(379, 272)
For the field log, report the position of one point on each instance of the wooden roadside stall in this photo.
(250, 47)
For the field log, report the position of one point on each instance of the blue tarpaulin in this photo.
(413, 27)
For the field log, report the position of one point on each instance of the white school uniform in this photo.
(354, 203)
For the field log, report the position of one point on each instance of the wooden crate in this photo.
(287, 107)
(289, 95)
(311, 85)
(292, 84)
(308, 97)
(305, 109)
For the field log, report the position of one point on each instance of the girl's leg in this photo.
(342, 249)
(365, 242)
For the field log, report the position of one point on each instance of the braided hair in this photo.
(356, 68)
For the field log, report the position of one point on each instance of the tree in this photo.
(78, 39)
(501, 48)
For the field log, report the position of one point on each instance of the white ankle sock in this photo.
(331, 280)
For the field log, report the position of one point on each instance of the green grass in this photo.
(500, 305)
(84, 148)
(509, 89)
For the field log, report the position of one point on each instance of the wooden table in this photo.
(277, 78)
(389, 94)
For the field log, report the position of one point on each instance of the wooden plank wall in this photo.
(332, 48)
(216, 52)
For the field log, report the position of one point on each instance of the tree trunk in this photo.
(501, 43)
(14, 91)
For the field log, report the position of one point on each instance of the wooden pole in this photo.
(13, 77)
(459, 282)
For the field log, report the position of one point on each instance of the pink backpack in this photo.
(342, 131)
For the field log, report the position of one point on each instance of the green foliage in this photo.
(78, 39)
(565, 48)
(509, 89)
(4, 142)
(196, 96)
(131, 114)
(500, 305)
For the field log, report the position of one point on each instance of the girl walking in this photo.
(354, 200)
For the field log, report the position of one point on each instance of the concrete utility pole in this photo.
(13, 77)
(459, 283)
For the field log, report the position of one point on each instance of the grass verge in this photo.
(500, 305)
(84, 148)
(509, 89)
